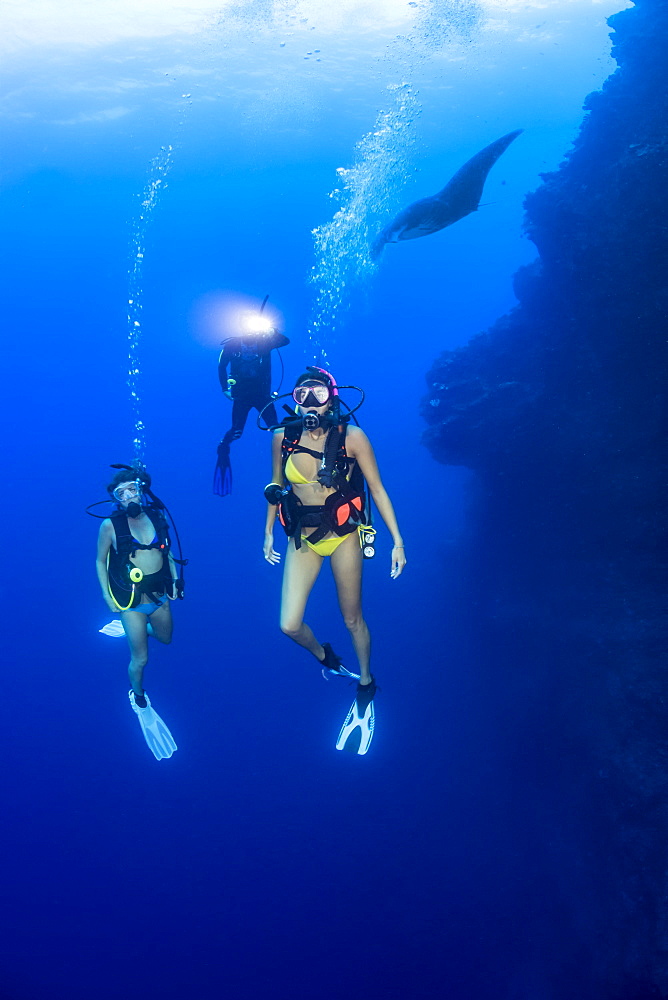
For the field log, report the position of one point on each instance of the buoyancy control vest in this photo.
(127, 582)
(344, 510)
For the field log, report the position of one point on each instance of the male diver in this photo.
(138, 577)
(248, 385)
(320, 464)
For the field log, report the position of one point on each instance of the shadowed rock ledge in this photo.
(559, 409)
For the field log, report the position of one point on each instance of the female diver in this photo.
(138, 578)
(319, 465)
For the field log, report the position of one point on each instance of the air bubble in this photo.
(160, 164)
(365, 196)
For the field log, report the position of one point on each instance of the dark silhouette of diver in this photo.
(248, 385)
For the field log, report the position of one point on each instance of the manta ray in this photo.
(460, 196)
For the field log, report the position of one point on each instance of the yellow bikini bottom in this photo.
(325, 546)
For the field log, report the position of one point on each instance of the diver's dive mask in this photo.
(128, 491)
(130, 494)
(311, 394)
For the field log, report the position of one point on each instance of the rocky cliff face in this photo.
(559, 408)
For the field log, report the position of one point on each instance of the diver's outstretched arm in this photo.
(270, 553)
(223, 362)
(175, 576)
(105, 539)
(359, 447)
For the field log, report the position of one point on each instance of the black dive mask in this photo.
(133, 509)
(311, 395)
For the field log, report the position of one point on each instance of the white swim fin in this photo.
(158, 737)
(357, 731)
(114, 628)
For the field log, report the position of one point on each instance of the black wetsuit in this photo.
(249, 361)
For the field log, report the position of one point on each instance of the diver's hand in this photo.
(270, 553)
(398, 561)
(110, 604)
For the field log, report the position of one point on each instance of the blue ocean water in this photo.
(258, 861)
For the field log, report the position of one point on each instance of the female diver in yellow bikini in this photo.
(318, 472)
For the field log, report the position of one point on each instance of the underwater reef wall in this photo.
(560, 410)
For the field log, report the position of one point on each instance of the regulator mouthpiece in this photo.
(311, 421)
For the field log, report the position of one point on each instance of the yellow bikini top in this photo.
(294, 476)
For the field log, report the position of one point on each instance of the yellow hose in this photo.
(111, 593)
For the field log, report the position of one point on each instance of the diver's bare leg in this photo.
(134, 624)
(160, 624)
(302, 567)
(347, 569)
